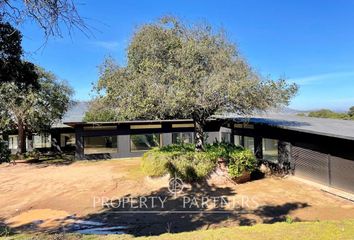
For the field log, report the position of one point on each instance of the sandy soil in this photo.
(46, 197)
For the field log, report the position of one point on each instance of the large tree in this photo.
(179, 71)
(12, 67)
(33, 109)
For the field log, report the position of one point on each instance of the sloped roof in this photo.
(322, 126)
(327, 127)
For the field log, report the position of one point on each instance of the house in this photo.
(321, 150)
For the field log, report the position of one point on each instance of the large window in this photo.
(143, 142)
(270, 149)
(182, 137)
(238, 140)
(100, 144)
(248, 142)
(42, 140)
(67, 139)
(226, 137)
(13, 142)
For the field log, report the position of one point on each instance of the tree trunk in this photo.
(199, 135)
(21, 149)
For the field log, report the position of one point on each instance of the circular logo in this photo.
(175, 185)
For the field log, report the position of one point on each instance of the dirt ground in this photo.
(40, 197)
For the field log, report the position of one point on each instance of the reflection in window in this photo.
(238, 140)
(248, 143)
(42, 140)
(13, 142)
(182, 137)
(100, 144)
(143, 142)
(67, 139)
(270, 149)
(226, 137)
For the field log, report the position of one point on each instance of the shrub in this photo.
(182, 160)
(154, 163)
(221, 149)
(4, 152)
(191, 166)
(240, 162)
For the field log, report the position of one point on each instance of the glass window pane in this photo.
(187, 137)
(143, 142)
(238, 140)
(249, 143)
(67, 139)
(100, 144)
(182, 137)
(270, 149)
(42, 140)
(225, 137)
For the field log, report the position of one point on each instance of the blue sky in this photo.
(309, 42)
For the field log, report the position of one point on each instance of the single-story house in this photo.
(321, 150)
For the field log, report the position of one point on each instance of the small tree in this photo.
(33, 109)
(176, 71)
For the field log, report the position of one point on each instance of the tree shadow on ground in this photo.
(45, 160)
(186, 211)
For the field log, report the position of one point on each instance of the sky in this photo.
(308, 42)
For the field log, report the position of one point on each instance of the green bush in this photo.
(183, 161)
(240, 162)
(191, 166)
(154, 163)
(4, 152)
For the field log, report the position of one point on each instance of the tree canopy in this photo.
(12, 67)
(33, 109)
(178, 71)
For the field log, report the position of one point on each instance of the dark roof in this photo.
(321, 126)
(130, 122)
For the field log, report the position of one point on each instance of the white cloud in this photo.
(321, 77)
(108, 45)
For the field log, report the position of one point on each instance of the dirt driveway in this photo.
(51, 198)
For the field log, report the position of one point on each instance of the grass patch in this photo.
(324, 230)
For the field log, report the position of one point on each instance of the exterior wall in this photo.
(124, 131)
(49, 141)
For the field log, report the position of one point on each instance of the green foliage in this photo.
(190, 165)
(351, 112)
(12, 67)
(35, 108)
(175, 70)
(4, 152)
(289, 219)
(240, 162)
(154, 163)
(326, 113)
(5, 231)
